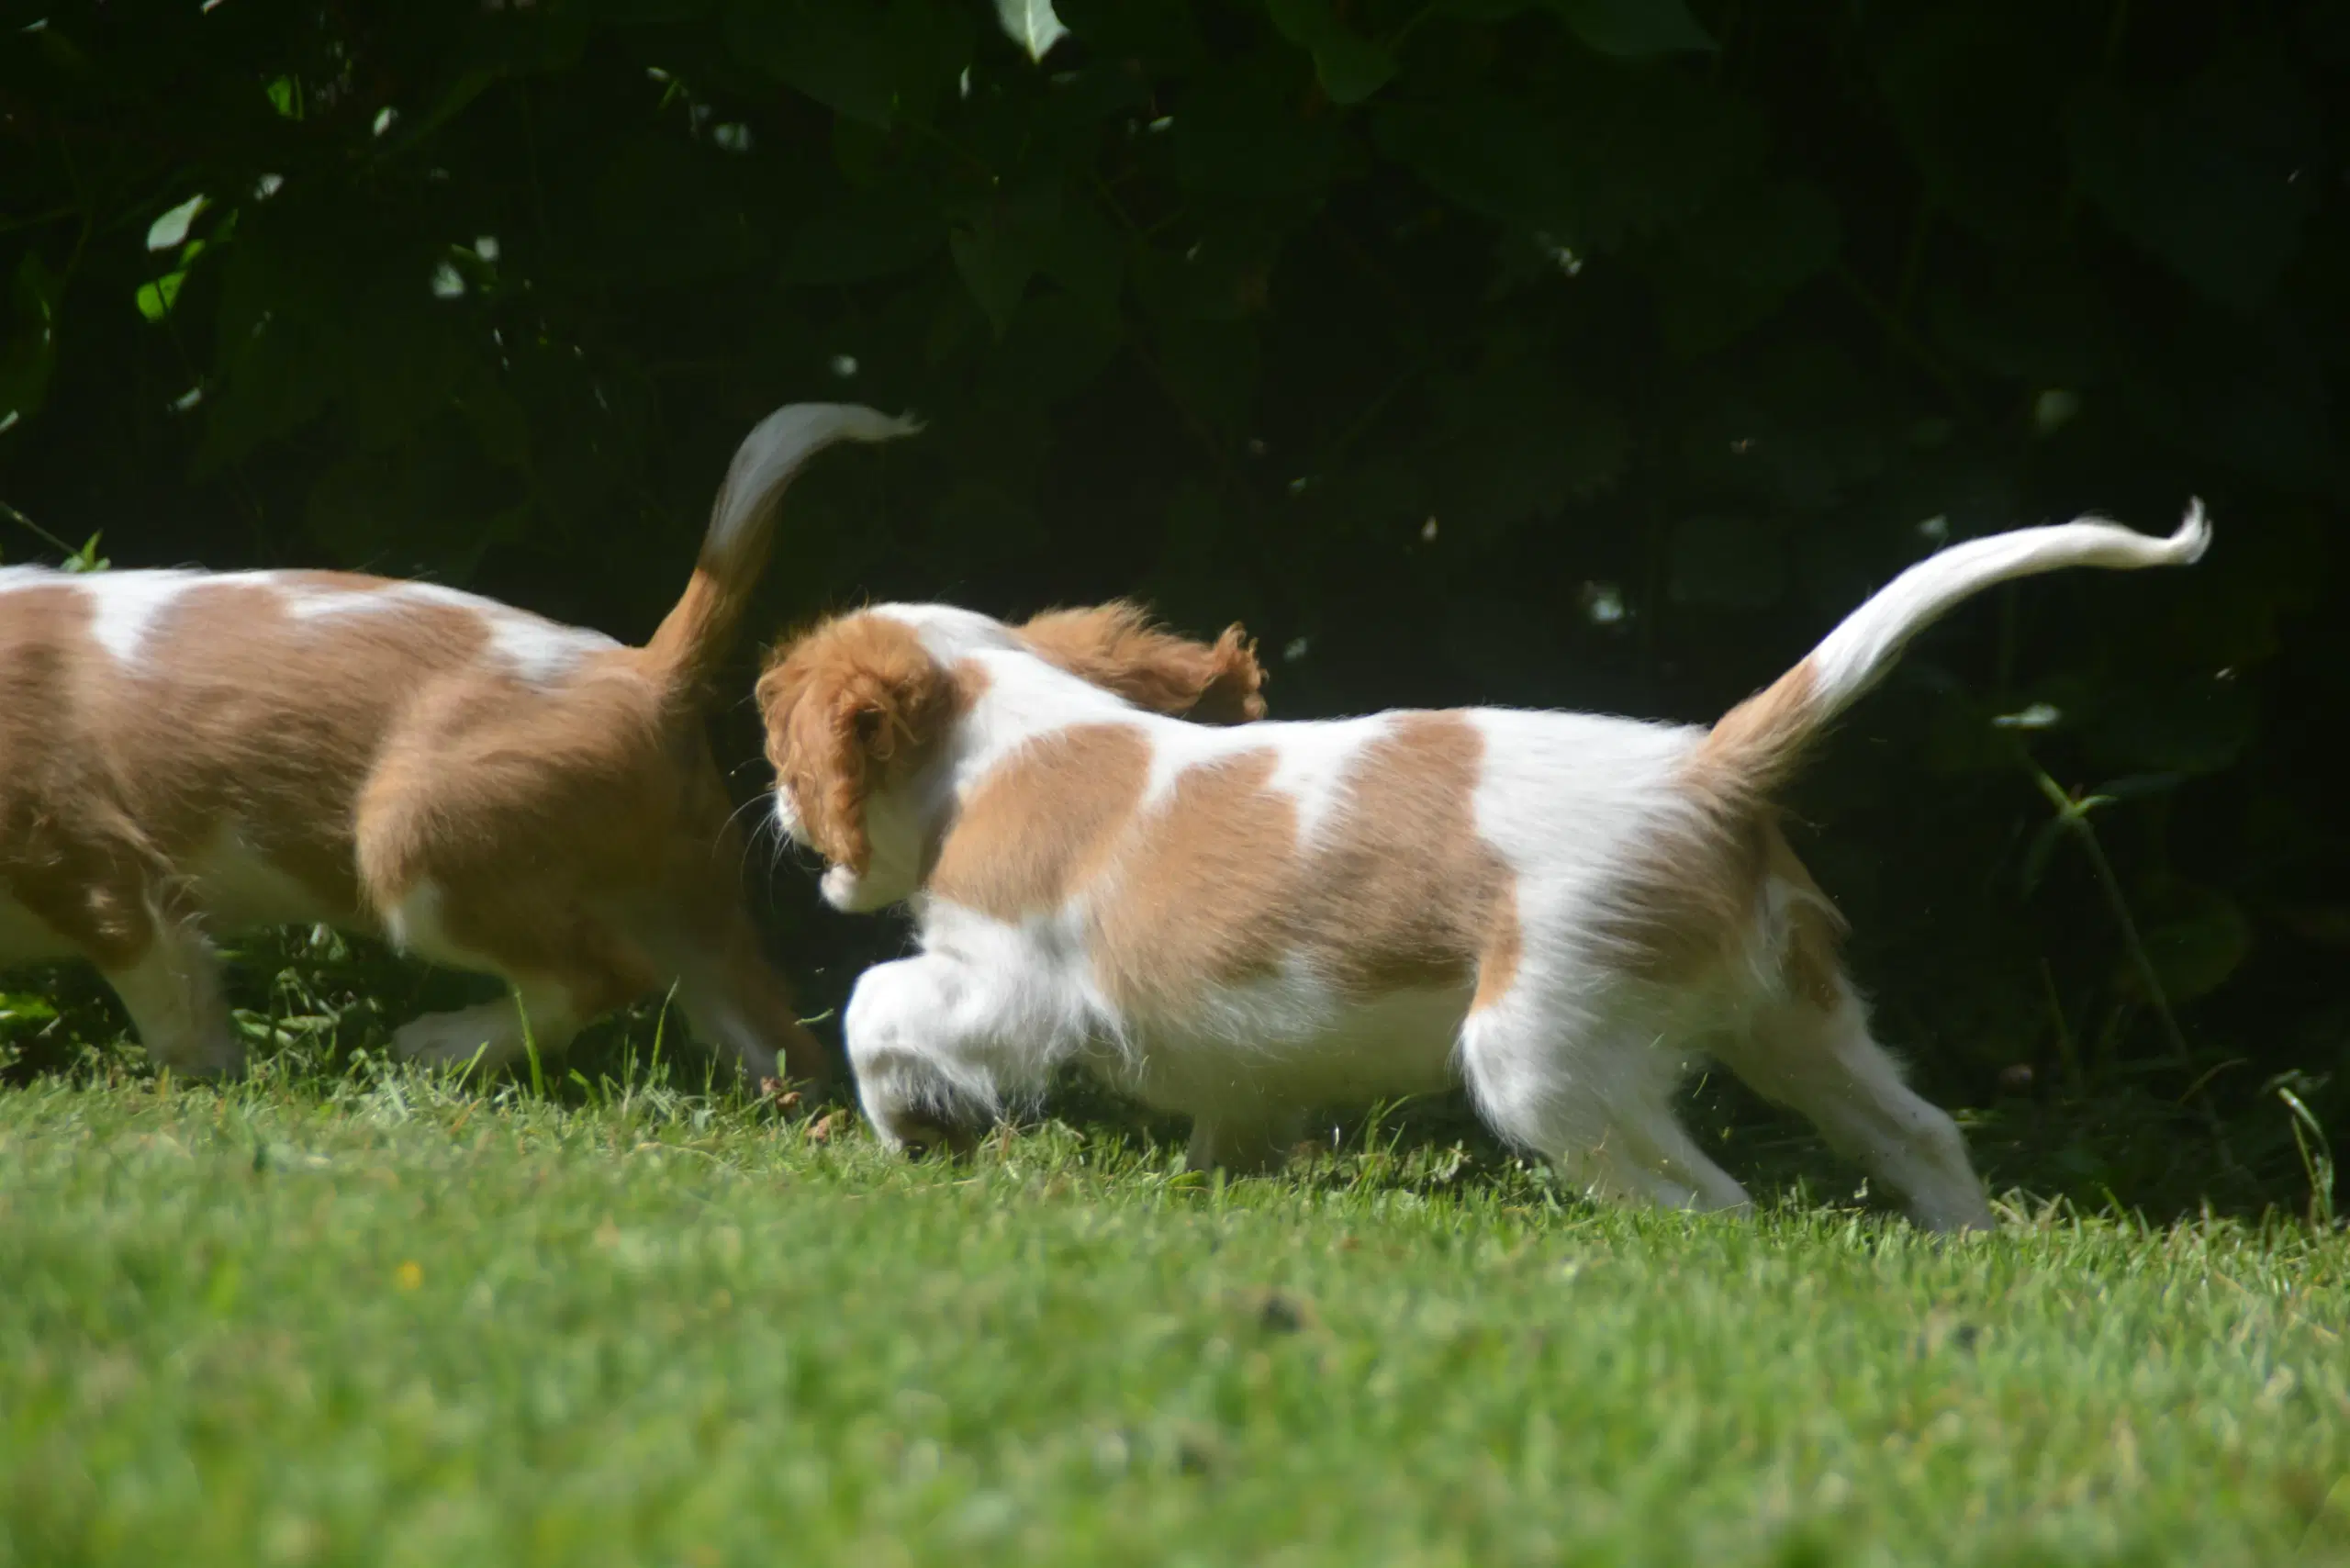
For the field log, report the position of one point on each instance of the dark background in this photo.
(1572, 352)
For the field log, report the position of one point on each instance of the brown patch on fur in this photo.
(1398, 892)
(1810, 967)
(1041, 823)
(848, 705)
(1497, 965)
(1206, 890)
(1406, 894)
(1689, 899)
(1116, 647)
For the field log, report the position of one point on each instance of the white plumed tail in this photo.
(1855, 655)
(1757, 743)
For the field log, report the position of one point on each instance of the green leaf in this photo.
(1031, 24)
(2195, 727)
(433, 505)
(172, 228)
(1601, 156)
(1209, 369)
(1161, 32)
(1497, 641)
(2197, 937)
(2211, 184)
(155, 299)
(1792, 428)
(1496, 153)
(1986, 168)
(1240, 135)
(1633, 29)
(872, 62)
(666, 210)
(1221, 276)
(1086, 255)
(2051, 831)
(868, 233)
(28, 352)
(1350, 66)
(1727, 562)
(19, 1008)
(1517, 440)
(2045, 321)
(1056, 347)
(1002, 249)
(1729, 269)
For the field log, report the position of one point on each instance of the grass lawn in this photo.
(364, 1318)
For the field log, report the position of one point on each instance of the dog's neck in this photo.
(1024, 700)
(1020, 699)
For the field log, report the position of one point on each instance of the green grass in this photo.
(357, 1316)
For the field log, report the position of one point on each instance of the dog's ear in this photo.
(1117, 646)
(845, 706)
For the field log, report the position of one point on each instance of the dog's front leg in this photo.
(936, 1044)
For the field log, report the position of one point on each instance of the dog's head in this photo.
(856, 706)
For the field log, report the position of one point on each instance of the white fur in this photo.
(124, 605)
(1849, 661)
(239, 888)
(1576, 1057)
(539, 651)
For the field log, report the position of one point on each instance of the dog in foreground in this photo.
(1562, 909)
(184, 754)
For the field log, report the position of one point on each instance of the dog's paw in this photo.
(487, 1035)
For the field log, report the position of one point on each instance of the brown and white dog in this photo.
(186, 754)
(1561, 909)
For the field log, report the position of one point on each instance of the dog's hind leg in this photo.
(566, 966)
(734, 1000)
(1816, 1055)
(1592, 1092)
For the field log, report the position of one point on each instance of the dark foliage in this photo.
(1574, 352)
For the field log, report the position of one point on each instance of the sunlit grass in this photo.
(345, 1312)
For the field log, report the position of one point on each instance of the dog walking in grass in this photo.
(1564, 909)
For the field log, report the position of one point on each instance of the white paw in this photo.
(488, 1033)
(219, 1055)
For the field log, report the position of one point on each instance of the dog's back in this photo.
(220, 727)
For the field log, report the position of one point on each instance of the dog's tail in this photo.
(688, 646)
(1757, 745)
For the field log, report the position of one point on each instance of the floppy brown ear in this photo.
(842, 705)
(1117, 646)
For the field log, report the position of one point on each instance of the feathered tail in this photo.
(1757, 745)
(687, 648)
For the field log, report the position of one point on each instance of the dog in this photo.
(1563, 910)
(184, 755)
